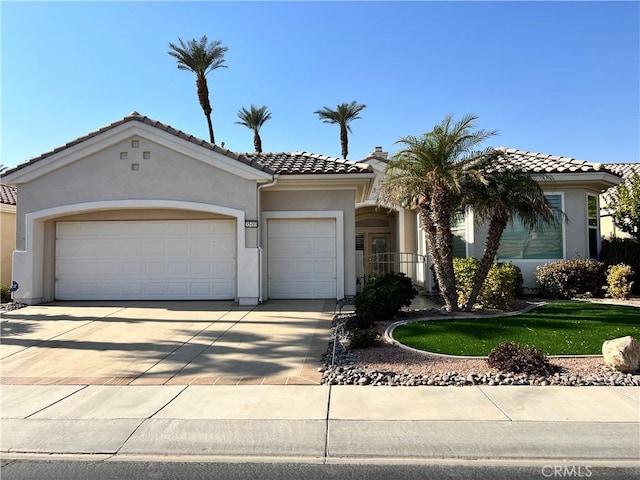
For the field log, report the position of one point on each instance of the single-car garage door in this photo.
(146, 260)
(302, 258)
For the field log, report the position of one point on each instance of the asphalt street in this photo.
(152, 470)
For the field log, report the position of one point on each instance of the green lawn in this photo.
(572, 328)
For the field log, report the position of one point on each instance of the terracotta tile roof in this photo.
(275, 163)
(8, 194)
(304, 163)
(624, 169)
(542, 163)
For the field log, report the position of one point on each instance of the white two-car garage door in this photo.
(146, 260)
(302, 258)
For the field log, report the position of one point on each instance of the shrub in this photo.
(358, 321)
(570, 278)
(5, 294)
(464, 270)
(384, 296)
(500, 288)
(364, 338)
(623, 250)
(511, 357)
(618, 281)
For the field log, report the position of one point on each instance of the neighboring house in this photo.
(607, 227)
(140, 210)
(392, 239)
(7, 231)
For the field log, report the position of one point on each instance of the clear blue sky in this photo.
(552, 77)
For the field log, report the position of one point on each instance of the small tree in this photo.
(625, 202)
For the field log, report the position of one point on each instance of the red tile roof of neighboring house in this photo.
(8, 194)
(542, 163)
(272, 163)
(624, 169)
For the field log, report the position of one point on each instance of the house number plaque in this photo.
(250, 224)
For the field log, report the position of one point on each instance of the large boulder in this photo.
(622, 353)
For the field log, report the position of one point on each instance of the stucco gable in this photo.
(130, 129)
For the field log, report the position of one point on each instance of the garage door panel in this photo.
(324, 248)
(190, 259)
(178, 288)
(287, 247)
(323, 228)
(325, 289)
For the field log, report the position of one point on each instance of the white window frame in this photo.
(564, 239)
(597, 227)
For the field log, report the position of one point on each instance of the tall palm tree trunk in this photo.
(344, 141)
(440, 238)
(203, 98)
(257, 142)
(496, 226)
(444, 239)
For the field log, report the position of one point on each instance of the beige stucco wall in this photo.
(166, 175)
(576, 239)
(7, 241)
(320, 200)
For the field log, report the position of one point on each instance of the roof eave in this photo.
(596, 180)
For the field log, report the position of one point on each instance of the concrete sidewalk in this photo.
(322, 423)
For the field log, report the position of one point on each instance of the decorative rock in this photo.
(623, 354)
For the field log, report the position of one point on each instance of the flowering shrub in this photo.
(570, 278)
(618, 281)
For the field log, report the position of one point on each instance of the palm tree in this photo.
(504, 196)
(427, 174)
(342, 115)
(253, 119)
(200, 57)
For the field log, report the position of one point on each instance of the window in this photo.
(459, 230)
(545, 243)
(592, 225)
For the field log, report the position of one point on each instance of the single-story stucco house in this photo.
(392, 239)
(140, 210)
(7, 231)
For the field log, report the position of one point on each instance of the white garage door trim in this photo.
(146, 260)
(335, 215)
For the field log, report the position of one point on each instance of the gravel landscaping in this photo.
(391, 365)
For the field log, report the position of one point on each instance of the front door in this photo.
(380, 262)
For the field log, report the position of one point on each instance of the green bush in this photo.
(511, 357)
(500, 288)
(364, 338)
(618, 281)
(384, 296)
(570, 278)
(503, 284)
(464, 269)
(623, 250)
(5, 294)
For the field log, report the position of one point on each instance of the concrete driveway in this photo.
(165, 343)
